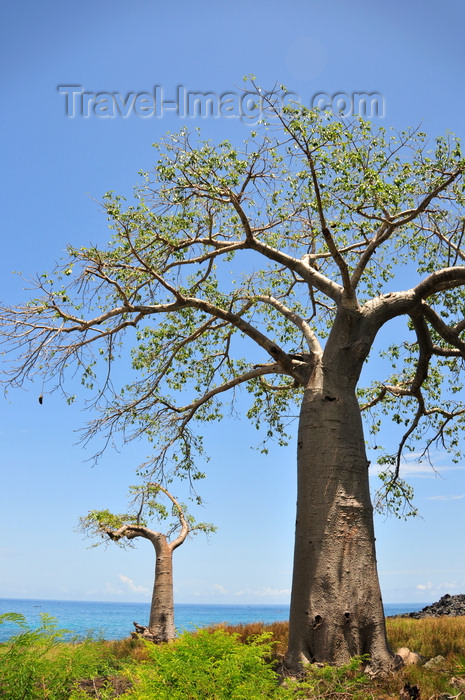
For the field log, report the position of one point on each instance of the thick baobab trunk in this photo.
(161, 624)
(336, 608)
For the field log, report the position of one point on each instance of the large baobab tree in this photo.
(273, 267)
(124, 528)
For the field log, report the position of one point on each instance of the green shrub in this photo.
(207, 666)
(334, 681)
(40, 664)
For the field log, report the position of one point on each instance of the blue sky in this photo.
(55, 169)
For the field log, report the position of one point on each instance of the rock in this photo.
(140, 629)
(453, 605)
(409, 658)
(144, 632)
(435, 662)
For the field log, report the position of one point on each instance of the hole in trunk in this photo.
(318, 620)
(347, 615)
(330, 398)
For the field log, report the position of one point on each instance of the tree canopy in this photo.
(145, 506)
(230, 266)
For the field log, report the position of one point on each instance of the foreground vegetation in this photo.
(220, 663)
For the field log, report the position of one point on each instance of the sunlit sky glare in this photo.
(55, 169)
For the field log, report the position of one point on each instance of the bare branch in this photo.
(450, 334)
(395, 221)
(258, 371)
(377, 399)
(308, 273)
(441, 280)
(180, 514)
(381, 309)
(412, 427)
(408, 215)
(271, 347)
(426, 350)
(383, 234)
(312, 340)
(332, 247)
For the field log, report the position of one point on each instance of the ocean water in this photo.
(114, 620)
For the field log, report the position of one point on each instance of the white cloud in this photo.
(415, 465)
(425, 586)
(454, 497)
(419, 469)
(411, 467)
(218, 588)
(131, 585)
(109, 588)
(265, 592)
(272, 592)
(438, 589)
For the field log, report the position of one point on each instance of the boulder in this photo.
(144, 632)
(405, 657)
(453, 605)
(435, 663)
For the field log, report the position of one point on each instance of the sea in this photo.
(109, 620)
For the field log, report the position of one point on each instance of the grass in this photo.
(430, 636)
(220, 663)
(278, 632)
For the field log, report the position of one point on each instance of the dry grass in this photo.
(128, 649)
(429, 637)
(245, 631)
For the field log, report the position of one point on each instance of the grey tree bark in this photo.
(336, 607)
(161, 622)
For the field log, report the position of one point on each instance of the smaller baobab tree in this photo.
(125, 528)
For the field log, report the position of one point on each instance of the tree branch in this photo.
(258, 371)
(449, 333)
(426, 350)
(301, 267)
(180, 514)
(298, 321)
(409, 214)
(332, 247)
(395, 221)
(271, 348)
(383, 308)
